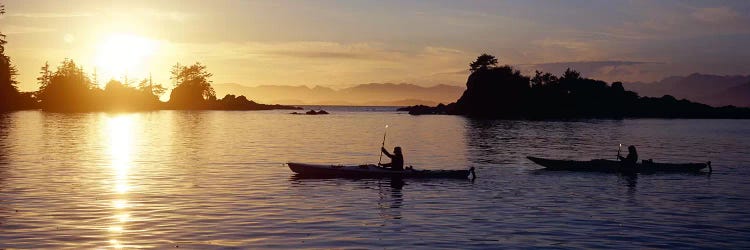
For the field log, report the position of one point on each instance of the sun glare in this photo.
(123, 55)
(121, 145)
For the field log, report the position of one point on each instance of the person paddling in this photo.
(397, 159)
(629, 162)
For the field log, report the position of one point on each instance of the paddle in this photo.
(619, 148)
(382, 145)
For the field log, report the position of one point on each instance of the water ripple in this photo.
(215, 180)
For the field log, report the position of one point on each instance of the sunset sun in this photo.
(122, 55)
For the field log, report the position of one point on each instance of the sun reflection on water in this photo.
(115, 244)
(119, 204)
(120, 133)
(122, 218)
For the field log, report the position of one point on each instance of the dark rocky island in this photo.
(311, 112)
(503, 92)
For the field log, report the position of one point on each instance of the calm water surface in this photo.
(202, 180)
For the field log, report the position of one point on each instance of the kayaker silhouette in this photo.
(397, 159)
(629, 162)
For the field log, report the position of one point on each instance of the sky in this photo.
(343, 43)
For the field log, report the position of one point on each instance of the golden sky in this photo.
(343, 43)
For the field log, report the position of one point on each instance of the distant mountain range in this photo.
(713, 90)
(375, 94)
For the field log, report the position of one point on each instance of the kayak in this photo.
(372, 171)
(601, 165)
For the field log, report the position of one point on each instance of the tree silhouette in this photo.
(148, 86)
(571, 74)
(68, 89)
(483, 62)
(617, 87)
(495, 91)
(192, 86)
(502, 92)
(45, 76)
(8, 90)
(543, 78)
(119, 96)
(95, 78)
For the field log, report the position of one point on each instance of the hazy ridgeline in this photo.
(369, 94)
(714, 90)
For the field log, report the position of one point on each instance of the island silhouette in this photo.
(70, 89)
(494, 91)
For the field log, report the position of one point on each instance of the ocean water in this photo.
(217, 180)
